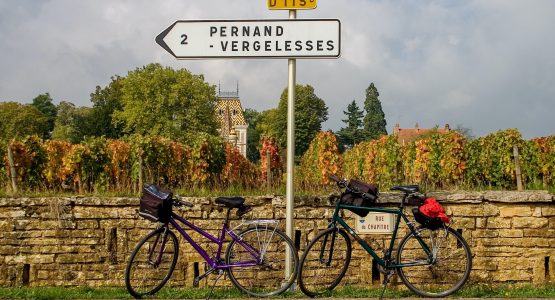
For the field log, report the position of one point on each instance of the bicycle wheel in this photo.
(450, 268)
(325, 262)
(151, 263)
(268, 277)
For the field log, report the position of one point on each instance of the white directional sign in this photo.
(304, 38)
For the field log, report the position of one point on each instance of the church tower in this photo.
(233, 126)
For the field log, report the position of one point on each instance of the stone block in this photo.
(511, 233)
(529, 222)
(496, 223)
(539, 252)
(513, 263)
(480, 233)
(30, 259)
(533, 242)
(79, 259)
(481, 222)
(548, 211)
(518, 197)
(480, 263)
(87, 224)
(261, 213)
(14, 213)
(465, 223)
(515, 211)
(501, 242)
(90, 233)
(513, 275)
(548, 233)
(475, 210)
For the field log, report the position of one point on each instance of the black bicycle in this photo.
(432, 260)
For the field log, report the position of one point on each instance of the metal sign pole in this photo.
(292, 63)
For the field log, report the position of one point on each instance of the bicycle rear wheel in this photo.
(151, 263)
(451, 266)
(267, 277)
(325, 262)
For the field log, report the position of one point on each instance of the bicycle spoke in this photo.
(449, 270)
(324, 262)
(151, 263)
(267, 278)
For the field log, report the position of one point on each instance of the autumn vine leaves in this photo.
(437, 161)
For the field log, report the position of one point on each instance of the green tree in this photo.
(310, 113)
(43, 103)
(267, 123)
(353, 133)
(20, 120)
(73, 123)
(253, 134)
(464, 131)
(106, 101)
(374, 121)
(163, 101)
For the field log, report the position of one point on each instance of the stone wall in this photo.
(85, 241)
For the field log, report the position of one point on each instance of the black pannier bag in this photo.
(425, 221)
(156, 204)
(355, 199)
(429, 213)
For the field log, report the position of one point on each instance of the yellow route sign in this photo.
(291, 4)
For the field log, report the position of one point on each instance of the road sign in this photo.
(291, 4)
(289, 38)
(375, 223)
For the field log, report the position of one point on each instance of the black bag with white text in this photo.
(156, 204)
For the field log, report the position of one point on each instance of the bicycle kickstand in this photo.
(386, 280)
(220, 273)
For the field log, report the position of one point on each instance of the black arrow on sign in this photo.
(160, 39)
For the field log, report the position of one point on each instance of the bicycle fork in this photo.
(162, 248)
(323, 249)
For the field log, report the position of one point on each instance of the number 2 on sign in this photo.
(184, 39)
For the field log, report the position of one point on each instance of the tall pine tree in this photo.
(353, 133)
(374, 121)
(43, 103)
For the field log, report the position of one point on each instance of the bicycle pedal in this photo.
(196, 282)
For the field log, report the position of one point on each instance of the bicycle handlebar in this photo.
(342, 183)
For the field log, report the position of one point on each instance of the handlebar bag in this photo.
(156, 204)
(356, 199)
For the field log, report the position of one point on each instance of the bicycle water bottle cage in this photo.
(231, 202)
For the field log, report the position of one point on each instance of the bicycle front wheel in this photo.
(267, 277)
(325, 262)
(151, 263)
(450, 267)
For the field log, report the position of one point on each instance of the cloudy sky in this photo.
(486, 65)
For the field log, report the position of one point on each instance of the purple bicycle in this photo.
(254, 259)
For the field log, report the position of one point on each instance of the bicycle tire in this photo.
(447, 274)
(317, 277)
(268, 278)
(141, 268)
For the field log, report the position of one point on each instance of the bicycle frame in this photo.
(219, 241)
(385, 261)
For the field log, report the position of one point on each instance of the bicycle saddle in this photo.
(409, 189)
(231, 202)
